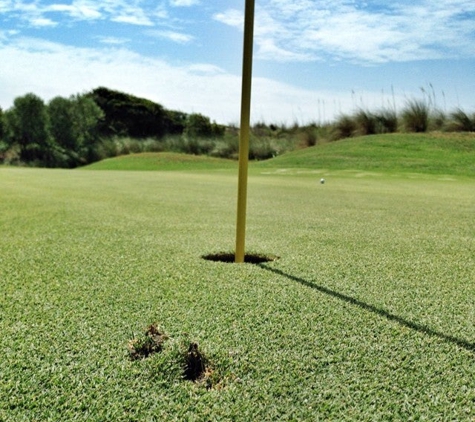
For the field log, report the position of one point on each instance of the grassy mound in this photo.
(162, 161)
(434, 153)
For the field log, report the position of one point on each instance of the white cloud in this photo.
(113, 40)
(184, 3)
(200, 87)
(268, 50)
(5, 5)
(205, 69)
(27, 12)
(231, 17)
(42, 22)
(137, 19)
(82, 10)
(40, 14)
(299, 30)
(174, 36)
(59, 8)
(5, 35)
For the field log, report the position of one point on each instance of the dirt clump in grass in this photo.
(198, 369)
(151, 342)
(195, 363)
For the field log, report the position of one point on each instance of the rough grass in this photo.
(367, 315)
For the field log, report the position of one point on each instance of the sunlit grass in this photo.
(162, 161)
(437, 153)
(434, 153)
(368, 314)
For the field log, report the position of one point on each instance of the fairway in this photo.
(368, 314)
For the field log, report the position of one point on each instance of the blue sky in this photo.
(313, 59)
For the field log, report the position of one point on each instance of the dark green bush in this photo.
(199, 126)
(2, 124)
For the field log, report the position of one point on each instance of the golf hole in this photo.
(248, 258)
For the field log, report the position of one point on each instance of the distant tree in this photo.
(74, 126)
(199, 126)
(61, 115)
(8, 125)
(3, 144)
(127, 115)
(175, 122)
(27, 125)
(2, 124)
(218, 130)
(87, 118)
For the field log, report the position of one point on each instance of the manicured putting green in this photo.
(368, 314)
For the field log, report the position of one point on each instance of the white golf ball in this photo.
(322, 181)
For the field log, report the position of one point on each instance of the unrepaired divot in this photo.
(196, 363)
(196, 366)
(151, 342)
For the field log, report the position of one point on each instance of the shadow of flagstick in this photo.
(381, 312)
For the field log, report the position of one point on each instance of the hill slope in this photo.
(434, 153)
(162, 161)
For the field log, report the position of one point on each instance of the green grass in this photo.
(451, 154)
(162, 161)
(367, 315)
(434, 153)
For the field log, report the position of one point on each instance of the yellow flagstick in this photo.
(244, 132)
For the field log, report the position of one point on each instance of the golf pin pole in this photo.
(244, 132)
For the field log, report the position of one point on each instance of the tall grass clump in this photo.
(366, 123)
(386, 121)
(415, 116)
(196, 146)
(123, 145)
(460, 121)
(262, 149)
(344, 127)
(226, 148)
(309, 136)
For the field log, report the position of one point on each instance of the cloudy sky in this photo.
(313, 59)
